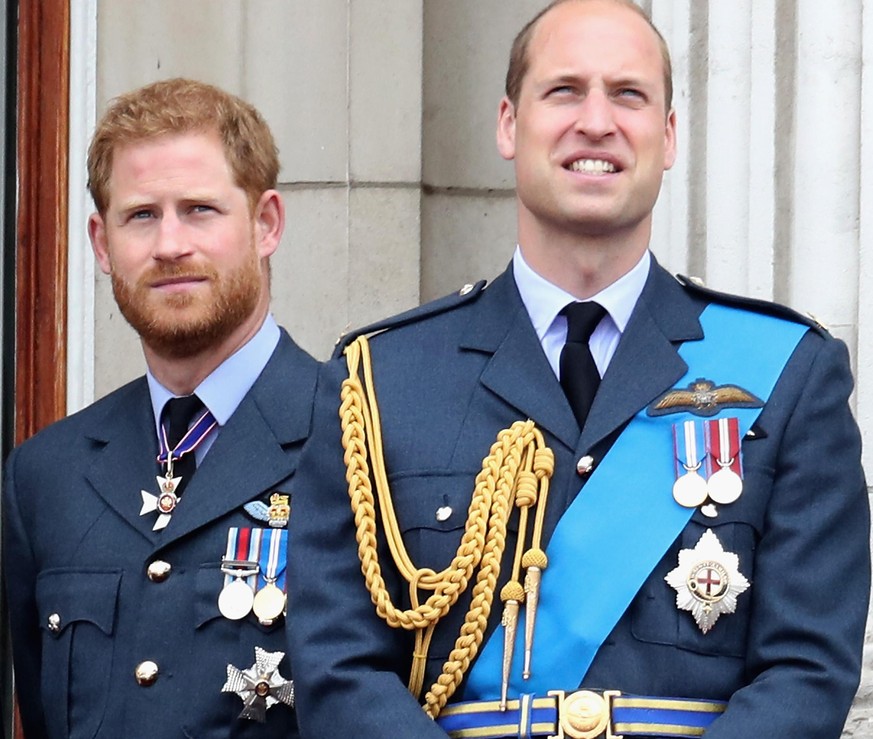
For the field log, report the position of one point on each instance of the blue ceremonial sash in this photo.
(617, 529)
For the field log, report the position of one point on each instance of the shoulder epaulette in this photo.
(696, 286)
(448, 302)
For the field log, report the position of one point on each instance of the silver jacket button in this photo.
(146, 673)
(443, 513)
(585, 465)
(158, 571)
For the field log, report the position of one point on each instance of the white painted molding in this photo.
(864, 353)
(80, 278)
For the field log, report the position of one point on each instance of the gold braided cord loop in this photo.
(518, 463)
(525, 440)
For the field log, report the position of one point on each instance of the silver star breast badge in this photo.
(260, 686)
(707, 581)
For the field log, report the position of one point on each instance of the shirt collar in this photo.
(545, 300)
(225, 387)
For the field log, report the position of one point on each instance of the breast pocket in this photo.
(655, 615)
(77, 610)
(432, 513)
(219, 642)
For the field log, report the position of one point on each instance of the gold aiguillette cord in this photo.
(518, 449)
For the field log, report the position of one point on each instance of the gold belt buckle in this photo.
(584, 714)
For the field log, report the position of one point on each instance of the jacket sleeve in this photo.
(812, 565)
(349, 665)
(19, 578)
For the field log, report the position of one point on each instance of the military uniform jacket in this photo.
(76, 548)
(448, 378)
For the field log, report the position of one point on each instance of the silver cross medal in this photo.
(260, 686)
(165, 502)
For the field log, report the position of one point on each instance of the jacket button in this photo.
(585, 465)
(146, 673)
(54, 623)
(158, 571)
(443, 513)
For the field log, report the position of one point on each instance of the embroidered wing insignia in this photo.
(258, 510)
(703, 398)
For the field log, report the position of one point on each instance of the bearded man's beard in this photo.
(181, 325)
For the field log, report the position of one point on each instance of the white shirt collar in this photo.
(544, 300)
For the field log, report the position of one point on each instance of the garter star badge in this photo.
(707, 581)
(260, 686)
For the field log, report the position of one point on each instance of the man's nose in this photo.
(171, 242)
(595, 115)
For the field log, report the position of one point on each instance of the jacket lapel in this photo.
(124, 457)
(249, 456)
(518, 371)
(646, 362)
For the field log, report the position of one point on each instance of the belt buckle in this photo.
(584, 714)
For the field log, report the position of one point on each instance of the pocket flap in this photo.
(434, 501)
(65, 596)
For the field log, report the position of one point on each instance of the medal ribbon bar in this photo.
(243, 546)
(273, 558)
(723, 445)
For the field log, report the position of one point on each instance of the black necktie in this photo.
(579, 375)
(179, 413)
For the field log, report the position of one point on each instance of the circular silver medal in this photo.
(725, 486)
(235, 600)
(690, 490)
(269, 602)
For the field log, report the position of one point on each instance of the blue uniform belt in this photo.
(583, 714)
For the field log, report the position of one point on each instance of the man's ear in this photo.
(506, 129)
(670, 140)
(97, 234)
(269, 222)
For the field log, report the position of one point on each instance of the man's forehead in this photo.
(575, 18)
(186, 153)
(166, 138)
(602, 34)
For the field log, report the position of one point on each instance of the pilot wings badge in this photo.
(703, 398)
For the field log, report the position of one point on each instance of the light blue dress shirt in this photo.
(544, 302)
(224, 388)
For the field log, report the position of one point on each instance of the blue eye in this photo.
(631, 93)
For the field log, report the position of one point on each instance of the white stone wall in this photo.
(384, 113)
